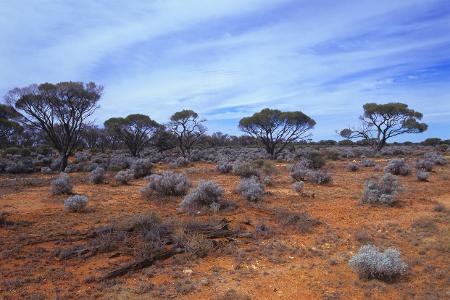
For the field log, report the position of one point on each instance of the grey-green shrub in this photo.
(251, 188)
(224, 167)
(371, 263)
(381, 191)
(352, 167)
(367, 162)
(76, 203)
(141, 167)
(298, 186)
(422, 175)
(167, 184)
(205, 194)
(245, 169)
(97, 176)
(124, 176)
(61, 185)
(397, 167)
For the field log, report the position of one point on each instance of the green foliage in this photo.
(188, 129)
(58, 110)
(383, 121)
(135, 131)
(276, 129)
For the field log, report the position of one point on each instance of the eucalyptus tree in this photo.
(381, 122)
(188, 129)
(59, 110)
(277, 129)
(136, 131)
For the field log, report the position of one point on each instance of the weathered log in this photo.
(143, 263)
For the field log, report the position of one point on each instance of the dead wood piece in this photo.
(143, 263)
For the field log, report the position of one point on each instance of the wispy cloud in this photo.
(229, 58)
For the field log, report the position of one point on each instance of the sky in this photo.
(227, 59)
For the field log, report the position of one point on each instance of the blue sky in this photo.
(230, 58)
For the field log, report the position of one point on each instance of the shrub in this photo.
(124, 177)
(141, 168)
(436, 158)
(371, 263)
(168, 184)
(298, 186)
(424, 164)
(61, 185)
(180, 162)
(20, 165)
(245, 169)
(224, 167)
(353, 167)
(97, 176)
(422, 175)
(46, 170)
(366, 162)
(299, 172)
(301, 221)
(383, 191)
(397, 167)
(265, 166)
(205, 194)
(76, 203)
(251, 188)
(319, 176)
(267, 180)
(315, 159)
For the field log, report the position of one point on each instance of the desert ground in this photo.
(49, 253)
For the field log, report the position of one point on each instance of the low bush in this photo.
(265, 166)
(319, 176)
(46, 170)
(298, 186)
(203, 196)
(251, 188)
(424, 164)
(381, 191)
(315, 159)
(76, 203)
(371, 263)
(180, 162)
(124, 177)
(299, 172)
(61, 185)
(353, 167)
(224, 167)
(167, 184)
(436, 158)
(141, 168)
(245, 169)
(397, 167)
(97, 176)
(301, 221)
(267, 180)
(366, 162)
(422, 175)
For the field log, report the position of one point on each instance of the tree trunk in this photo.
(64, 160)
(381, 144)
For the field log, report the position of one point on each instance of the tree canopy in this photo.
(276, 129)
(135, 131)
(9, 125)
(188, 128)
(381, 122)
(60, 110)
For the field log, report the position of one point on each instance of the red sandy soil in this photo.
(285, 265)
